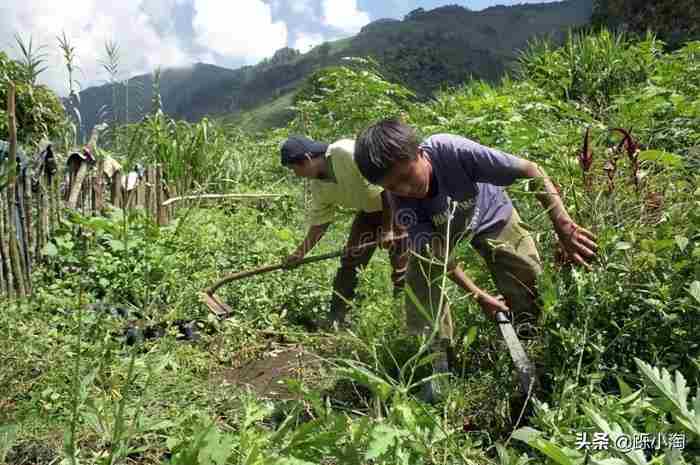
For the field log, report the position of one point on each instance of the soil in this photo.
(265, 376)
(31, 453)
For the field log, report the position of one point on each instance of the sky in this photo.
(178, 33)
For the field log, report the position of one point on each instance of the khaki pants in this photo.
(511, 257)
(365, 228)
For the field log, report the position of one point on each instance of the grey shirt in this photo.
(470, 175)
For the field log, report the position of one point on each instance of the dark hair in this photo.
(381, 145)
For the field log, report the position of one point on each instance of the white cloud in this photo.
(301, 6)
(305, 42)
(87, 25)
(344, 15)
(241, 29)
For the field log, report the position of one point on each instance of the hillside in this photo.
(674, 21)
(425, 50)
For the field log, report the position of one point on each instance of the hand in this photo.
(578, 243)
(387, 239)
(492, 305)
(292, 260)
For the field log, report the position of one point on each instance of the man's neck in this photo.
(325, 172)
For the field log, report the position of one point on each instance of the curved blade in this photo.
(525, 368)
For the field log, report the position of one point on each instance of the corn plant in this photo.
(33, 59)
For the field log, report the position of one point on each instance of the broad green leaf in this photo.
(625, 390)
(368, 379)
(470, 337)
(117, 245)
(663, 158)
(691, 420)
(614, 432)
(533, 438)
(623, 246)
(682, 242)
(50, 249)
(694, 290)
(382, 437)
(676, 392)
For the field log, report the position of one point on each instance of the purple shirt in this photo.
(467, 173)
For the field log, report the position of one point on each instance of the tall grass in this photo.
(590, 68)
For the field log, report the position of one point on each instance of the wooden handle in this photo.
(304, 261)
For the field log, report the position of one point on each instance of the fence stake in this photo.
(141, 193)
(28, 213)
(160, 195)
(4, 249)
(99, 187)
(77, 185)
(117, 189)
(15, 258)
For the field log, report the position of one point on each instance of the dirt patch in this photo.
(265, 375)
(31, 453)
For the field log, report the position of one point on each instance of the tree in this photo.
(39, 111)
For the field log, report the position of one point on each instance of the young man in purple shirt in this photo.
(450, 188)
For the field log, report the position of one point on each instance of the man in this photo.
(336, 181)
(448, 188)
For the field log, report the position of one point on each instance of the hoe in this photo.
(522, 364)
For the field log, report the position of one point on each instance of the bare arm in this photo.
(313, 235)
(391, 229)
(579, 242)
(489, 304)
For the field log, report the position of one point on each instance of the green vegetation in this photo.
(676, 21)
(619, 344)
(39, 112)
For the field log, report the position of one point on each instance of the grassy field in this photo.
(618, 345)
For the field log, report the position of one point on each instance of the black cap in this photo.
(295, 148)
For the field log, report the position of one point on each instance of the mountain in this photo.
(674, 21)
(425, 51)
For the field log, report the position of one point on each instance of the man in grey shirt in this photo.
(449, 188)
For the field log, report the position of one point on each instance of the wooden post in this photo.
(55, 202)
(15, 258)
(24, 221)
(99, 187)
(171, 208)
(43, 213)
(141, 192)
(90, 194)
(5, 265)
(162, 214)
(3, 289)
(117, 189)
(151, 196)
(15, 253)
(29, 236)
(77, 185)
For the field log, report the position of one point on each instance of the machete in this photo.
(525, 368)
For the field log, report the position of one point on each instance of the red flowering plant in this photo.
(632, 153)
(585, 158)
